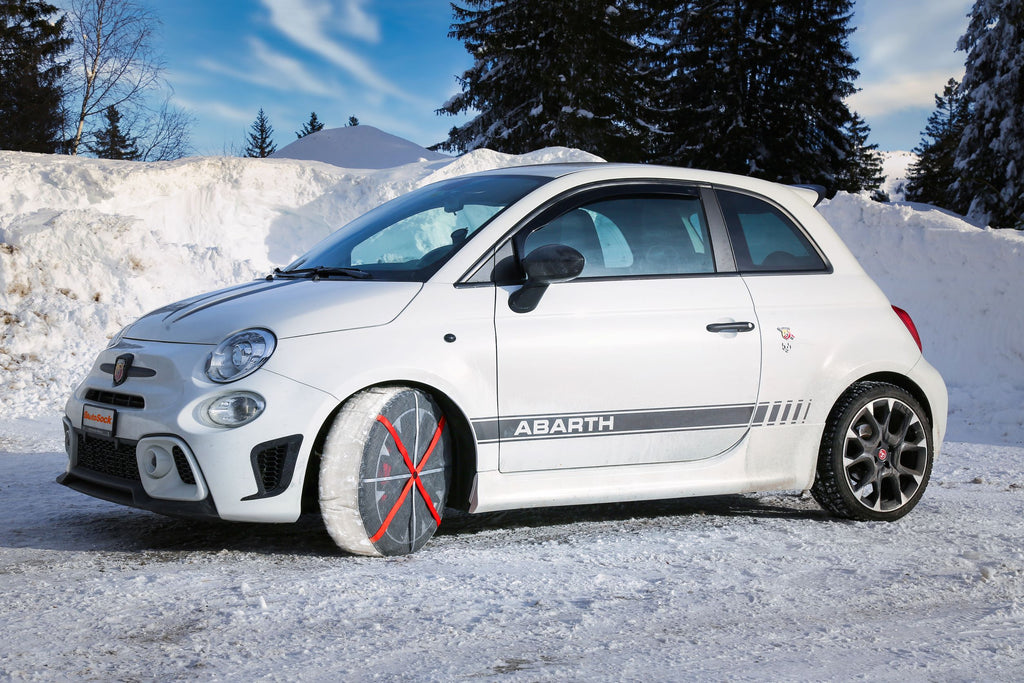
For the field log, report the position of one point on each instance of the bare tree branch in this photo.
(114, 41)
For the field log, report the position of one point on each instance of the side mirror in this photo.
(546, 265)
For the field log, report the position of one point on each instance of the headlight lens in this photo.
(235, 410)
(240, 354)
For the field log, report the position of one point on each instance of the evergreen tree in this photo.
(931, 176)
(550, 73)
(31, 70)
(990, 157)
(352, 121)
(111, 142)
(865, 170)
(261, 133)
(757, 87)
(311, 126)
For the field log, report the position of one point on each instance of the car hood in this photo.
(288, 308)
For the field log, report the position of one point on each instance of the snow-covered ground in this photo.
(741, 587)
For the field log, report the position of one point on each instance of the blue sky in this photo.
(391, 64)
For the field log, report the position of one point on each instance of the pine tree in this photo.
(31, 70)
(931, 176)
(990, 157)
(548, 73)
(352, 121)
(111, 142)
(311, 126)
(261, 143)
(864, 172)
(757, 87)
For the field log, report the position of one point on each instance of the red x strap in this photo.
(415, 478)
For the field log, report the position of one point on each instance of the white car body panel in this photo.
(610, 390)
(606, 357)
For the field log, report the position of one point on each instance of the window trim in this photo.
(608, 189)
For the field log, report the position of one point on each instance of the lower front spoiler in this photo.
(132, 493)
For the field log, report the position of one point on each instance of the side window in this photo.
(633, 236)
(765, 239)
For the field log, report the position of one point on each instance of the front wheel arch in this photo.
(461, 429)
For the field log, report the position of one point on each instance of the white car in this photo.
(534, 336)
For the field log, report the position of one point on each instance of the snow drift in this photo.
(358, 147)
(86, 246)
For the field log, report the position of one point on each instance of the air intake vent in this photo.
(181, 464)
(113, 398)
(273, 463)
(107, 457)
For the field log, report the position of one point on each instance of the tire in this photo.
(385, 472)
(876, 454)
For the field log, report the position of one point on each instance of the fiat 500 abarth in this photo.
(535, 336)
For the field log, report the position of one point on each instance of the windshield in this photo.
(411, 237)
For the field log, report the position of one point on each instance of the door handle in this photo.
(731, 327)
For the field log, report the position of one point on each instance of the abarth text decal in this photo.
(567, 425)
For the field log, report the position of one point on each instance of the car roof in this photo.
(594, 171)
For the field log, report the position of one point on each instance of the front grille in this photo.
(113, 398)
(181, 464)
(103, 456)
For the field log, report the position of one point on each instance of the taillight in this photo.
(911, 327)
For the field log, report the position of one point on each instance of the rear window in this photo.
(765, 239)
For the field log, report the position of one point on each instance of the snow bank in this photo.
(358, 147)
(961, 285)
(86, 246)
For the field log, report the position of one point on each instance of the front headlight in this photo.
(240, 355)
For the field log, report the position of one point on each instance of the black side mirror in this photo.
(546, 265)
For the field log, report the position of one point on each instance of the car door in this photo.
(650, 355)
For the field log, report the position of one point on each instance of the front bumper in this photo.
(162, 455)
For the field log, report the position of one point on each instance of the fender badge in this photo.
(787, 338)
(122, 366)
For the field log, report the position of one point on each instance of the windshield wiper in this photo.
(321, 272)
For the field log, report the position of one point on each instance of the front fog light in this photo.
(235, 410)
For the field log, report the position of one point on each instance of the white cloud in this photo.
(219, 110)
(305, 22)
(909, 35)
(899, 92)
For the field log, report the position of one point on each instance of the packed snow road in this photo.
(739, 588)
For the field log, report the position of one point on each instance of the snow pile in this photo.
(358, 147)
(961, 285)
(87, 245)
(895, 168)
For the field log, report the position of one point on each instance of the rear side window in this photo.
(765, 239)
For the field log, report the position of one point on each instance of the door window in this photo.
(633, 236)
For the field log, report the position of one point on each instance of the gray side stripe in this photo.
(566, 425)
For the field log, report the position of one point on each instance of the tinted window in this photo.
(628, 236)
(764, 238)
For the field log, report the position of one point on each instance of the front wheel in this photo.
(876, 454)
(385, 471)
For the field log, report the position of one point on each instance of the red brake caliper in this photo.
(414, 471)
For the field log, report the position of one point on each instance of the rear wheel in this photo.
(385, 471)
(876, 454)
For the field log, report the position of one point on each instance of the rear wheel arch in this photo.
(903, 382)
